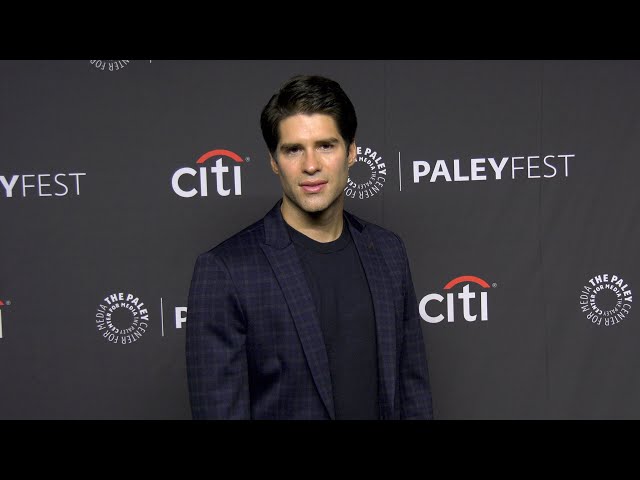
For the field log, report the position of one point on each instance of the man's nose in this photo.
(311, 162)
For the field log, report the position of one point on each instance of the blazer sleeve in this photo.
(216, 344)
(415, 388)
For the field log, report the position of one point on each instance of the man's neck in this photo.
(325, 226)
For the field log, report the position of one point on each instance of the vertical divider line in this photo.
(399, 171)
(162, 316)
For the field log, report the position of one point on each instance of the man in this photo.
(309, 313)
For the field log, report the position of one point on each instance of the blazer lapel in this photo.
(377, 275)
(289, 273)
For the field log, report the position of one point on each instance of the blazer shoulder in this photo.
(387, 239)
(241, 243)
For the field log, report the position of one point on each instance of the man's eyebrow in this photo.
(286, 146)
(328, 140)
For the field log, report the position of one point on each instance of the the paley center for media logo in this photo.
(224, 177)
(122, 318)
(606, 299)
(367, 176)
(110, 65)
(465, 298)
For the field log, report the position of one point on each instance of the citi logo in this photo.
(200, 186)
(432, 309)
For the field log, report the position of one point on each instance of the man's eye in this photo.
(326, 146)
(292, 151)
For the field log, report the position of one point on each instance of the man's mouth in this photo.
(313, 187)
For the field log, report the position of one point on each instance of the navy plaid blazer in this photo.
(254, 347)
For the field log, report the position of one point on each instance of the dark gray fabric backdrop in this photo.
(520, 174)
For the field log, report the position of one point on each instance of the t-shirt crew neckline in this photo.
(320, 247)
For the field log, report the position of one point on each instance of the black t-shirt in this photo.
(342, 298)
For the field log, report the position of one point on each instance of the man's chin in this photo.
(314, 208)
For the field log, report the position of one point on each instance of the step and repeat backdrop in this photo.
(512, 183)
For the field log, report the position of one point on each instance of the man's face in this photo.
(313, 164)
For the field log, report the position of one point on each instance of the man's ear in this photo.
(274, 165)
(352, 153)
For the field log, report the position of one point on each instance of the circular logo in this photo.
(109, 65)
(122, 318)
(606, 299)
(367, 175)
